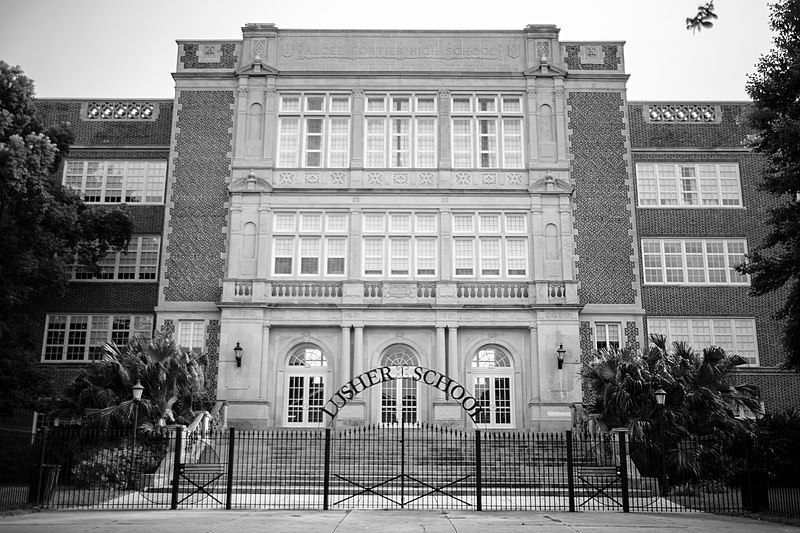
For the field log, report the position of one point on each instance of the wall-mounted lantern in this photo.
(560, 354)
(237, 353)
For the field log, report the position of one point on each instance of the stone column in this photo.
(264, 370)
(344, 356)
(441, 364)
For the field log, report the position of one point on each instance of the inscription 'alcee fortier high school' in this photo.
(422, 49)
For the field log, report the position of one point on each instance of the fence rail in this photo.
(407, 466)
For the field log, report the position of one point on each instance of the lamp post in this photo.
(137, 397)
(661, 397)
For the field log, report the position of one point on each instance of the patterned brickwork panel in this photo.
(196, 228)
(631, 336)
(209, 56)
(608, 58)
(108, 133)
(212, 353)
(586, 357)
(602, 213)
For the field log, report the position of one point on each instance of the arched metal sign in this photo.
(429, 377)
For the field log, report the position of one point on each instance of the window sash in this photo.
(138, 263)
(607, 335)
(486, 138)
(79, 337)
(682, 185)
(734, 335)
(113, 182)
(693, 261)
(316, 135)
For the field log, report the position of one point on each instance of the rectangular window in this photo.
(114, 182)
(688, 185)
(693, 261)
(501, 248)
(309, 255)
(191, 335)
(315, 135)
(80, 337)
(400, 136)
(309, 243)
(607, 335)
(284, 252)
(336, 248)
(373, 256)
(734, 335)
(394, 247)
(138, 263)
(479, 141)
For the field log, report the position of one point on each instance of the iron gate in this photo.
(416, 466)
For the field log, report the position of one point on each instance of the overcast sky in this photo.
(114, 49)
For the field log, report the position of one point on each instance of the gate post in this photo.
(623, 470)
(326, 487)
(229, 489)
(176, 470)
(478, 480)
(570, 473)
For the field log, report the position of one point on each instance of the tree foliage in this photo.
(705, 14)
(102, 393)
(775, 118)
(701, 398)
(45, 228)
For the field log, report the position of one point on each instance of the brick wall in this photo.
(602, 205)
(730, 133)
(110, 133)
(197, 212)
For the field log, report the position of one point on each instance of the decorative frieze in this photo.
(120, 111)
(683, 114)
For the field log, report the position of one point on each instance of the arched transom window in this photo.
(305, 387)
(493, 381)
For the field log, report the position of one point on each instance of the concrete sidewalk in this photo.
(363, 521)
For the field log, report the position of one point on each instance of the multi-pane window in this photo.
(191, 335)
(305, 394)
(487, 131)
(606, 335)
(114, 182)
(314, 131)
(138, 263)
(400, 244)
(694, 261)
(490, 245)
(399, 396)
(80, 337)
(734, 335)
(400, 131)
(689, 185)
(308, 243)
(492, 379)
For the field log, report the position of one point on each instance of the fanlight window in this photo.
(399, 356)
(491, 358)
(308, 357)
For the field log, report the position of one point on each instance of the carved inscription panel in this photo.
(333, 52)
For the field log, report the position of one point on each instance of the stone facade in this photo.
(463, 202)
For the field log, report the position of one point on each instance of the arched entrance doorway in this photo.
(399, 398)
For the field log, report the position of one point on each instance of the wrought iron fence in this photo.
(413, 466)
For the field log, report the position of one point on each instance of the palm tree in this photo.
(698, 418)
(102, 393)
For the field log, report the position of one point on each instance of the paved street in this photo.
(362, 521)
